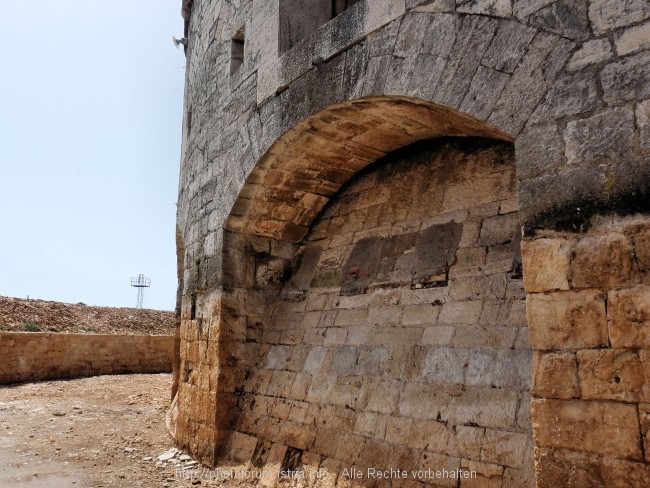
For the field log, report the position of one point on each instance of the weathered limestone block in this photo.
(440, 335)
(398, 430)
(467, 312)
(482, 406)
(628, 314)
(606, 15)
(478, 288)
(277, 357)
(603, 262)
(500, 229)
(484, 92)
(555, 375)
(523, 8)
(627, 79)
(567, 320)
(410, 36)
(506, 448)
(484, 336)
(522, 93)
(551, 192)
(434, 461)
(633, 39)
(606, 137)
(546, 265)
(376, 453)
(464, 441)
(618, 472)
(440, 46)
(490, 188)
(383, 397)
(567, 18)
(509, 205)
(420, 314)
(539, 151)
(350, 447)
(280, 384)
(517, 477)
(572, 95)
(487, 475)
(612, 374)
(599, 427)
(568, 469)
(592, 52)
(496, 8)
(472, 41)
(508, 46)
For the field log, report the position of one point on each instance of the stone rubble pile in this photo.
(175, 458)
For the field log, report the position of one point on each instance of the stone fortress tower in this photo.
(415, 234)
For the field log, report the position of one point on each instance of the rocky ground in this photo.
(102, 431)
(18, 315)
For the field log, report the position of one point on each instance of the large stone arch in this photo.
(496, 77)
(295, 178)
(284, 195)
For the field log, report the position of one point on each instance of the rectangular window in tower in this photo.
(338, 6)
(299, 19)
(237, 50)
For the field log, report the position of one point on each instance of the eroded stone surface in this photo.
(269, 154)
(567, 320)
(606, 15)
(629, 317)
(591, 52)
(602, 262)
(599, 139)
(547, 265)
(633, 39)
(597, 427)
(555, 375)
(612, 375)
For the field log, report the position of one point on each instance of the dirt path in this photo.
(92, 432)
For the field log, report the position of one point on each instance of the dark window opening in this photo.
(237, 50)
(339, 6)
(301, 18)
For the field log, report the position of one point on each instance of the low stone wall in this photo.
(31, 356)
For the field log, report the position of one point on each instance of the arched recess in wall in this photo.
(296, 177)
(333, 265)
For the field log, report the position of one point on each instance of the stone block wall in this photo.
(399, 339)
(34, 356)
(588, 300)
(268, 146)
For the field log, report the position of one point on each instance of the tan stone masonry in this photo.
(31, 356)
(331, 319)
(589, 320)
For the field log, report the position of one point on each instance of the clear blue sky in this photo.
(90, 129)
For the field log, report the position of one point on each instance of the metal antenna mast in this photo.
(140, 283)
